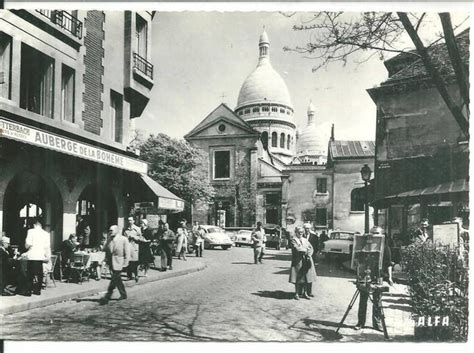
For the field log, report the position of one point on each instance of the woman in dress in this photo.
(182, 241)
(302, 270)
(145, 256)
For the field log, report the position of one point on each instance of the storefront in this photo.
(61, 180)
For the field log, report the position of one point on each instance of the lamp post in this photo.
(365, 173)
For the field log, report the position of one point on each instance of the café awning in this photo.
(441, 191)
(166, 200)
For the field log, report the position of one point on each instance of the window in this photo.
(247, 111)
(116, 116)
(241, 112)
(321, 216)
(221, 128)
(282, 140)
(265, 109)
(67, 94)
(288, 112)
(5, 65)
(288, 142)
(221, 164)
(36, 81)
(274, 139)
(282, 110)
(272, 203)
(321, 185)
(256, 110)
(272, 199)
(275, 109)
(357, 199)
(264, 139)
(142, 37)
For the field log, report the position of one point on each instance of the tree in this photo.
(335, 36)
(177, 166)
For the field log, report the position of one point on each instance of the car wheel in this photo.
(278, 247)
(225, 247)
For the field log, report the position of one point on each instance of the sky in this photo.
(202, 58)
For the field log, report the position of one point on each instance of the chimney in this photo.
(332, 132)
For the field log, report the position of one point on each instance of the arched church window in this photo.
(275, 109)
(247, 111)
(256, 110)
(282, 110)
(241, 112)
(357, 199)
(282, 140)
(264, 139)
(274, 139)
(288, 142)
(265, 109)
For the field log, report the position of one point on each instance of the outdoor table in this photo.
(98, 256)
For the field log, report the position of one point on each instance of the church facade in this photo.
(263, 169)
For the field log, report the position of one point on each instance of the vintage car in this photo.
(339, 242)
(216, 236)
(274, 236)
(243, 237)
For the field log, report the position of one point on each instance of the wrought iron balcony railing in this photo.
(142, 65)
(64, 20)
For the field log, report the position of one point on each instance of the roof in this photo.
(440, 56)
(158, 189)
(351, 149)
(221, 112)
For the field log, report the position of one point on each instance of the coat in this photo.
(117, 252)
(134, 235)
(258, 238)
(182, 241)
(298, 274)
(38, 245)
(145, 255)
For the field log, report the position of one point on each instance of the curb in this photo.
(16, 308)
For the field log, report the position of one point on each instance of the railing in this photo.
(64, 20)
(142, 65)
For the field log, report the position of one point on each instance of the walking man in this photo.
(38, 245)
(258, 242)
(117, 255)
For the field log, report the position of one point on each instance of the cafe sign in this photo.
(166, 203)
(61, 144)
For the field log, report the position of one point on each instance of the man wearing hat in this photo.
(421, 234)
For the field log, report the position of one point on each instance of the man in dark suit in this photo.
(117, 257)
(314, 241)
(67, 252)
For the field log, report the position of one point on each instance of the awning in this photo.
(44, 139)
(443, 190)
(166, 200)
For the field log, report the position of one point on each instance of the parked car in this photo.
(274, 233)
(339, 242)
(243, 237)
(216, 236)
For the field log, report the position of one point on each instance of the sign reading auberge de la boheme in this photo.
(51, 141)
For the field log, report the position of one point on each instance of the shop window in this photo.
(36, 81)
(357, 199)
(5, 65)
(282, 140)
(321, 216)
(288, 142)
(116, 116)
(67, 94)
(221, 164)
(142, 37)
(321, 185)
(274, 139)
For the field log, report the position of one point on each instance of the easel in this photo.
(370, 290)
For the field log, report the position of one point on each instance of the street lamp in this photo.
(365, 173)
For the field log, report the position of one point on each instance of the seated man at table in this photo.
(6, 268)
(67, 252)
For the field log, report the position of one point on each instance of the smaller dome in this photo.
(264, 37)
(311, 108)
(311, 139)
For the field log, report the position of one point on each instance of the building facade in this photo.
(263, 170)
(422, 157)
(71, 84)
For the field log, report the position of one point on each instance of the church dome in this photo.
(264, 84)
(311, 139)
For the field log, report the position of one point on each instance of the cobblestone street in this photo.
(231, 300)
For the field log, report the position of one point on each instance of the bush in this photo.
(438, 284)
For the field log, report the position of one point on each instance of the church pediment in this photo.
(220, 123)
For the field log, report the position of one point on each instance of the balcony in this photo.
(142, 65)
(64, 20)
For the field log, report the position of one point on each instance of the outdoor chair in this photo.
(50, 272)
(78, 268)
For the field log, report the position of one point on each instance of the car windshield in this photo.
(214, 230)
(244, 232)
(342, 236)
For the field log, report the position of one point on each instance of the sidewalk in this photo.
(67, 291)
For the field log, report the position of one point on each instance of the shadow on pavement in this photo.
(277, 294)
(328, 334)
(242, 263)
(283, 271)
